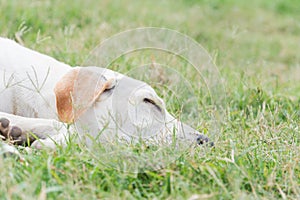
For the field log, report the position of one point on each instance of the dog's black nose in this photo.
(203, 140)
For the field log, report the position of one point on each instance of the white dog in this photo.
(43, 101)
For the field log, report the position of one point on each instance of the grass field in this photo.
(256, 46)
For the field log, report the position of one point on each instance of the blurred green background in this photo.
(256, 46)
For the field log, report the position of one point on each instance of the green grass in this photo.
(256, 48)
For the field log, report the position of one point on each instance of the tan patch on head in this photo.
(63, 91)
(77, 91)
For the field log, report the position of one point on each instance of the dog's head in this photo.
(101, 101)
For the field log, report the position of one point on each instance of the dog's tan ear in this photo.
(63, 91)
(77, 90)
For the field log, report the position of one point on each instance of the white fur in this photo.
(27, 81)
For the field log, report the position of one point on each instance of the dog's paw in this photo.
(14, 134)
(4, 125)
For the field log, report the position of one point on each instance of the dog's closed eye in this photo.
(150, 101)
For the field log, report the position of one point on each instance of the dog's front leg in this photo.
(33, 131)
